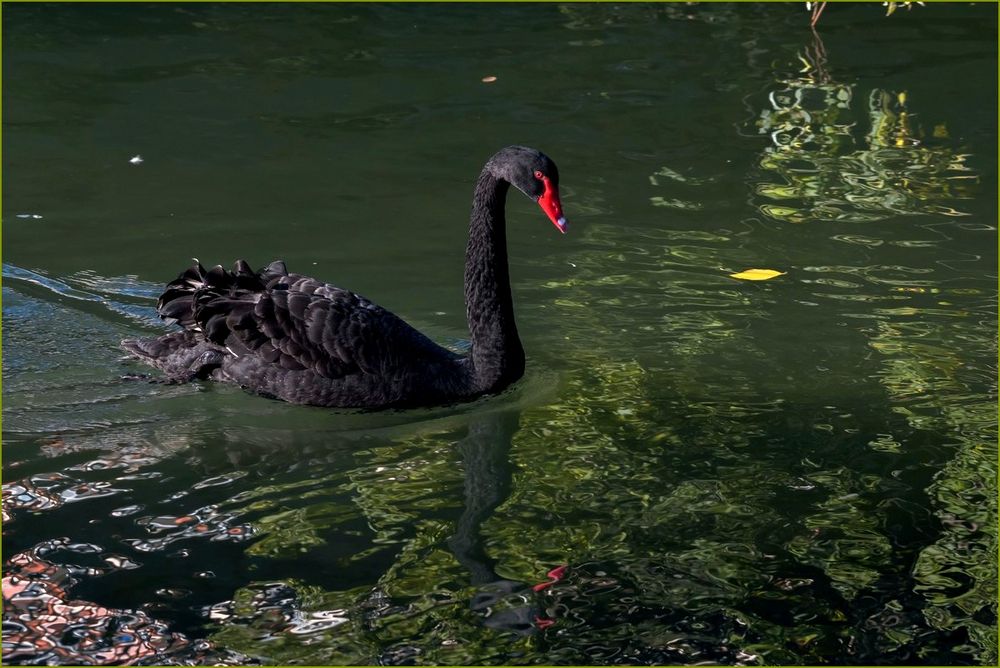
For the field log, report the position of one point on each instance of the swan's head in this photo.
(533, 173)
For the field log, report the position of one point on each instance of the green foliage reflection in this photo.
(841, 159)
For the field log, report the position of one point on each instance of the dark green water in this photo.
(793, 471)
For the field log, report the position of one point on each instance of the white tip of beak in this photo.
(562, 224)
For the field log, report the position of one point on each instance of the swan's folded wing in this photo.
(300, 323)
(292, 321)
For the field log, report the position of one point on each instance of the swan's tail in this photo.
(207, 304)
(179, 355)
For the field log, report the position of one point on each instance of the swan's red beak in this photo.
(549, 201)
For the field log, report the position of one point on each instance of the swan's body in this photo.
(294, 338)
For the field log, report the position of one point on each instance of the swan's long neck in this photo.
(497, 355)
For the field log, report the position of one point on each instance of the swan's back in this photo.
(295, 338)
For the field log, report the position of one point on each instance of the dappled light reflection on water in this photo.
(843, 159)
(696, 469)
(43, 625)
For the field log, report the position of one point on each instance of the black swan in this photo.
(294, 338)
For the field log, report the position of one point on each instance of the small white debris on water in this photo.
(136, 160)
(439, 313)
(29, 215)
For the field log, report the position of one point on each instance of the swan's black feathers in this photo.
(289, 320)
(180, 355)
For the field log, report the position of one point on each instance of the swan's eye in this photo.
(539, 175)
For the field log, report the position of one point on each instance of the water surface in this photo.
(793, 471)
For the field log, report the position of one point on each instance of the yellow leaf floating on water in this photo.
(757, 274)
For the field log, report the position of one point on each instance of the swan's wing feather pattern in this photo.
(292, 321)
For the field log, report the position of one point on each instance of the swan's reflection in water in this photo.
(40, 606)
(505, 604)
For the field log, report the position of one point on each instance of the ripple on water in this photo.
(124, 296)
(204, 524)
(49, 491)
